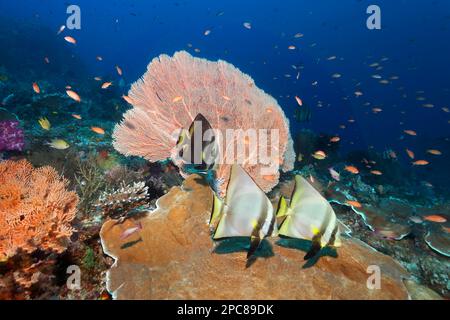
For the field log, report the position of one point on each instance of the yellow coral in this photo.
(35, 209)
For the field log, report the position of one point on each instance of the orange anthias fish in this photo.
(127, 99)
(73, 95)
(335, 139)
(106, 85)
(352, 203)
(352, 169)
(70, 40)
(176, 99)
(119, 70)
(435, 218)
(270, 178)
(376, 172)
(98, 130)
(420, 163)
(36, 88)
(410, 153)
(299, 101)
(410, 132)
(434, 152)
(76, 116)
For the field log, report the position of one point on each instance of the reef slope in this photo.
(173, 257)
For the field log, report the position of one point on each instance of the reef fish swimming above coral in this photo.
(224, 150)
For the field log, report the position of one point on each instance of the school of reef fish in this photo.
(89, 177)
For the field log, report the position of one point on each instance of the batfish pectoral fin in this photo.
(315, 248)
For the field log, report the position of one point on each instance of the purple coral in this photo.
(11, 136)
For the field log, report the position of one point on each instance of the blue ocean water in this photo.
(413, 38)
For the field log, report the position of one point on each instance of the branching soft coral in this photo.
(35, 209)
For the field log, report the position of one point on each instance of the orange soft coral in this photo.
(35, 209)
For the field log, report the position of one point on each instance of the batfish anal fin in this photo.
(254, 244)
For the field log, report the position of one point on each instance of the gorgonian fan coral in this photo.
(174, 90)
(35, 209)
(11, 136)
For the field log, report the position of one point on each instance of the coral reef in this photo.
(175, 89)
(35, 209)
(171, 258)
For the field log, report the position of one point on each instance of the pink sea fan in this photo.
(175, 89)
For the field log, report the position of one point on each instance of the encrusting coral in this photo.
(35, 209)
(176, 89)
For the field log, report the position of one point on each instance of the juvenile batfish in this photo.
(309, 216)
